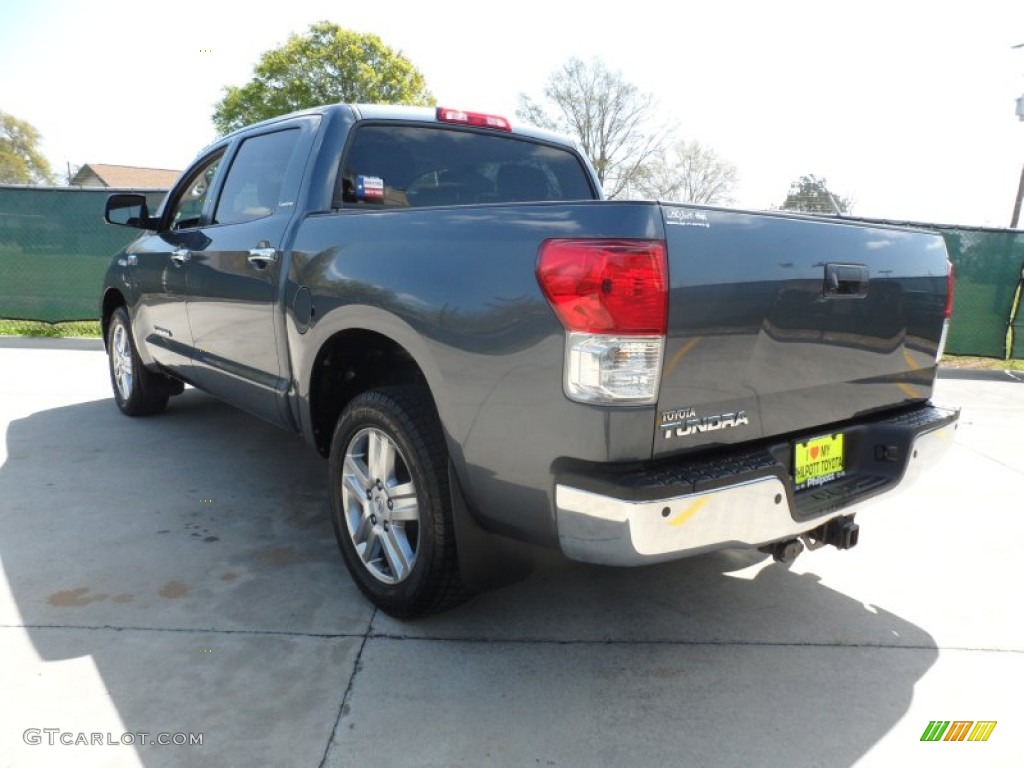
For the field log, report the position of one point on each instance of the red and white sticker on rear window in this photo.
(369, 187)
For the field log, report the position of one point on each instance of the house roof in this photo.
(127, 176)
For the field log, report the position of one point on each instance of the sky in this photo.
(906, 107)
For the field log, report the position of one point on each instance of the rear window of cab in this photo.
(421, 166)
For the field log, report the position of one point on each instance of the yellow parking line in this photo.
(678, 356)
(908, 390)
(689, 512)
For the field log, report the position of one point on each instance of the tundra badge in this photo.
(685, 421)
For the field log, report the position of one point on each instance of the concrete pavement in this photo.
(178, 575)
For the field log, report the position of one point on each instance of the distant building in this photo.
(124, 177)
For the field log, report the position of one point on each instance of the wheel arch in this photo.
(112, 299)
(354, 357)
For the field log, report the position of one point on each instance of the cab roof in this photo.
(395, 112)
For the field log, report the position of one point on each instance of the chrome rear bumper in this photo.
(599, 527)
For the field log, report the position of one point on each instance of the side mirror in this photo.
(127, 209)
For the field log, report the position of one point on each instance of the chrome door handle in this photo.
(180, 256)
(260, 257)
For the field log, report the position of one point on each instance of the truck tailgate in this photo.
(782, 323)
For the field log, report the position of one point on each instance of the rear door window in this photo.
(420, 166)
(255, 180)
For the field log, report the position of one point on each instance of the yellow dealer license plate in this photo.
(818, 461)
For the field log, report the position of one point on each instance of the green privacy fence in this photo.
(989, 268)
(54, 250)
(989, 265)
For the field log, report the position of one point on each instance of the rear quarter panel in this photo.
(457, 288)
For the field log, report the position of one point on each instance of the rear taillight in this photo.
(477, 119)
(948, 312)
(612, 298)
(606, 286)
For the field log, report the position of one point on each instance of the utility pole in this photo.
(1016, 205)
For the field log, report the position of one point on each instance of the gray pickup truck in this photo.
(488, 352)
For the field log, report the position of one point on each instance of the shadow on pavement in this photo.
(719, 660)
(141, 543)
(189, 558)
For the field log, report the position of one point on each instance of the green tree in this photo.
(20, 159)
(611, 118)
(687, 172)
(328, 64)
(811, 194)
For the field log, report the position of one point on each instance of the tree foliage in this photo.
(327, 64)
(610, 117)
(811, 194)
(687, 172)
(20, 159)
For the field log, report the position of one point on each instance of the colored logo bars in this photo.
(958, 730)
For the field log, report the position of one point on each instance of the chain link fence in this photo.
(55, 249)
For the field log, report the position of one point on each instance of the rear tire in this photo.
(391, 502)
(137, 391)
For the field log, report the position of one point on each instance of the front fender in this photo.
(119, 289)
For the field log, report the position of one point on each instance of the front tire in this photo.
(137, 391)
(391, 504)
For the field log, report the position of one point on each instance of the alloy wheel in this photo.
(381, 508)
